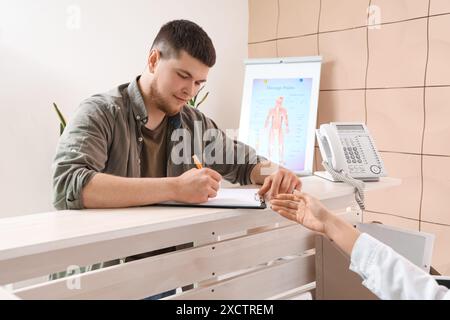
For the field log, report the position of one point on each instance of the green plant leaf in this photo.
(62, 120)
(60, 115)
(203, 99)
(193, 102)
(198, 92)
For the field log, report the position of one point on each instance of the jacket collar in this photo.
(138, 105)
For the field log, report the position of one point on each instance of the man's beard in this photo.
(161, 104)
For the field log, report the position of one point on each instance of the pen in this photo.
(197, 162)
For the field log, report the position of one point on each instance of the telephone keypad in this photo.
(347, 156)
(355, 160)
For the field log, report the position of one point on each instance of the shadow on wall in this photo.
(30, 132)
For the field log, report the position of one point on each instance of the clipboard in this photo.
(232, 198)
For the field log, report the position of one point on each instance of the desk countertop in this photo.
(58, 229)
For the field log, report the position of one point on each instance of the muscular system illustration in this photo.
(276, 117)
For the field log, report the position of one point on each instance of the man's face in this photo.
(176, 81)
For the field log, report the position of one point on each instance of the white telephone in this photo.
(349, 153)
(349, 147)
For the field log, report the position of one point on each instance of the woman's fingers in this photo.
(304, 196)
(285, 196)
(287, 214)
(278, 208)
(285, 203)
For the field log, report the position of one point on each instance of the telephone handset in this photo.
(349, 155)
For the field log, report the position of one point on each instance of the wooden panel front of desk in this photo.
(334, 279)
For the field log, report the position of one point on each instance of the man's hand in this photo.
(197, 185)
(281, 181)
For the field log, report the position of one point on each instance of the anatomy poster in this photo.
(279, 116)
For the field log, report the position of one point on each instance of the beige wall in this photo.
(393, 75)
(65, 51)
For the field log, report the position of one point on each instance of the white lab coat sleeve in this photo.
(391, 276)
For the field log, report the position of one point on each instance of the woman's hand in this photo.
(302, 208)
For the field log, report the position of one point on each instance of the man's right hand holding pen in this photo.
(198, 184)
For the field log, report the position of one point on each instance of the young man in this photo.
(121, 148)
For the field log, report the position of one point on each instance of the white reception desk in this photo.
(236, 253)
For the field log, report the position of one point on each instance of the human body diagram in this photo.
(276, 117)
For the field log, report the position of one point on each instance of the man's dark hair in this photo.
(185, 35)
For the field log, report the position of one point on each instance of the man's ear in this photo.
(153, 60)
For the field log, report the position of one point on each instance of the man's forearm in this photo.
(107, 191)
